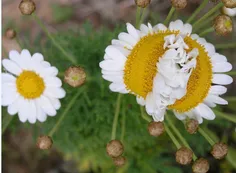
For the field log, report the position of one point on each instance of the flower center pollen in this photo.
(30, 85)
(140, 67)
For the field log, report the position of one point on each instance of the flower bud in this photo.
(223, 25)
(115, 148)
(184, 156)
(10, 33)
(142, 3)
(229, 3)
(200, 166)
(192, 126)
(27, 7)
(44, 142)
(229, 11)
(119, 161)
(219, 150)
(179, 4)
(156, 128)
(75, 76)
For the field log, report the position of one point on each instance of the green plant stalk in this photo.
(172, 137)
(123, 124)
(231, 73)
(40, 23)
(205, 22)
(206, 136)
(208, 14)
(144, 115)
(207, 31)
(203, 4)
(142, 16)
(87, 99)
(115, 120)
(170, 14)
(176, 131)
(225, 46)
(230, 98)
(69, 106)
(6, 123)
(226, 116)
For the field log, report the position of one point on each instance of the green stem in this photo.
(170, 14)
(231, 73)
(144, 115)
(6, 123)
(217, 7)
(208, 21)
(71, 59)
(206, 136)
(176, 131)
(230, 98)
(69, 106)
(203, 4)
(229, 117)
(115, 120)
(123, 125)
(137, 16)
(209, 30)
(142, 16)
(87, 99)
(172, 137)
(225, 46)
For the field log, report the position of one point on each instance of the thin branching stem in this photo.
(176, 131)
(230, 98)
(206, 136)
(137, 16)
(142, 16)
(169, 16)
(123, 124)
(144, 115)
(172, 137)
(43, 27)
(226, 46)
(115, 120)
(231, 73)
(227, 116)
(208, 14)
(68, 107)
(207, 31)
(197, 11)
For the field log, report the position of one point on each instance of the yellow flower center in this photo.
(140, 70)
(199, 82)
(140, 67)
(30, 85)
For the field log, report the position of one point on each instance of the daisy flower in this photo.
(167, 68)
(30, 87)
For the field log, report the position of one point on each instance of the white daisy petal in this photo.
(222, 67)
(122, 44)
(47, 106)
(127, 38)
(159, 27)
(209, 102)
(222, 79)
(11, 67)
(8, 78)
(118, 87)
(176, 25)
(194, 36)
(144, 29)
(111, 65)
(114, 54)
(187, 29)
(45, 64)
(218, 58)
(132, 31)
(12, 109)
(216, 99)
(140, 100)
(205, 112)
(210, 48)
(55, 102)
(37, 57)
(16, 57)
(218, 90)
(180, 116)
(9, 95)
(53, 81)
(23, 110)
(32, 117)
(41, 115)
(112, 78)
(54, 92)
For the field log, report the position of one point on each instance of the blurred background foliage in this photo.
(84, 29)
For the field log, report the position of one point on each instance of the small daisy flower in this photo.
(30, 87)
(167, 68)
